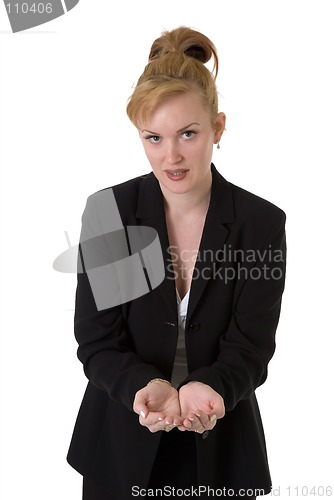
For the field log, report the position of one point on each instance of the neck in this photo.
(191, 202)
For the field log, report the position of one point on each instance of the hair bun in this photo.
(197, 52)
(185, 41)
(176, 66)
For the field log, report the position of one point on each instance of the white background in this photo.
(65, 134)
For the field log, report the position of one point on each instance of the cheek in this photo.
(147, 149)
(152, 154)
(204, 149)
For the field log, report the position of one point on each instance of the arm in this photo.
(105, 348)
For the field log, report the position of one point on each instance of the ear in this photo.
(219, 126)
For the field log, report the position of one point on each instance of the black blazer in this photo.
(230, 338)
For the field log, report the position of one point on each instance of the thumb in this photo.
(139, 404)
(218, 409)
(212, 416)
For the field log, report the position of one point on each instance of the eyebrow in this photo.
(178, 131)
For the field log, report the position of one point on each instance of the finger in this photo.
(213, 418)
(139, 406)
(182, 428)
(218, 408)
(168, 428)
(155, 426)
(206, 421)
(198, 428)
(185, 423)
(139, 403)
(141, 410)
(151, 418)
(177, 420)
(202, 417)
(188, 423)
(171, 422)
(165, 424)
(198, 425)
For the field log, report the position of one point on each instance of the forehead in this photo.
(176, 112)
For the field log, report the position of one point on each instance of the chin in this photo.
(178, 187)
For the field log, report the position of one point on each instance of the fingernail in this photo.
(191, 419)
(197, 414)
(160, 418)
(213, 417)
(168, 423)
(142, 414)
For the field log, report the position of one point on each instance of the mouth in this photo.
(177, 174)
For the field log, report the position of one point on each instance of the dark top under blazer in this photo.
(230, 338)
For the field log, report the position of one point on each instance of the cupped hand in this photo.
(200, 407)
(158, 407)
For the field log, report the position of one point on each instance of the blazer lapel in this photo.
(150, 209)
(215, 232)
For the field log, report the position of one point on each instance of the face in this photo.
(178, 141)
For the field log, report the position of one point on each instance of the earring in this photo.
(218, 146)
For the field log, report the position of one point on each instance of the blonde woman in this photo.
(170, 401)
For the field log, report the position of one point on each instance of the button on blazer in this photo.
(233, 313)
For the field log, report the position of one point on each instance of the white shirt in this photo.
(180, 369)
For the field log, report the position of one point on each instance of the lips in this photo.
(177, 174)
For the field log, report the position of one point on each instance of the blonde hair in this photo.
(176, 66)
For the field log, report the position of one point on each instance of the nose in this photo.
(173, 153)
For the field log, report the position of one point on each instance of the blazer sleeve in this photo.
(248, 344)
(104, 345)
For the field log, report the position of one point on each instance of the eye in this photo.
(188, 134)
(154, 139)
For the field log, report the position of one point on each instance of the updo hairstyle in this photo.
(176, 66)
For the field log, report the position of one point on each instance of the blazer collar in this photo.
(150, 208)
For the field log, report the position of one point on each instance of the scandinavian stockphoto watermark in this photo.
(121, 263)
(125, 263)
(227, 264)
(27, 14)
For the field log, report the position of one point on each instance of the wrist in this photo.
(162, 380)
(192, 382)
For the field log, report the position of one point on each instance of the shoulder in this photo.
(248, 213)
(125, 193)
(128, 187)
(257, 219)
(248, 206)
(111, 208)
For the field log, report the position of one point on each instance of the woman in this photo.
(186, 357)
